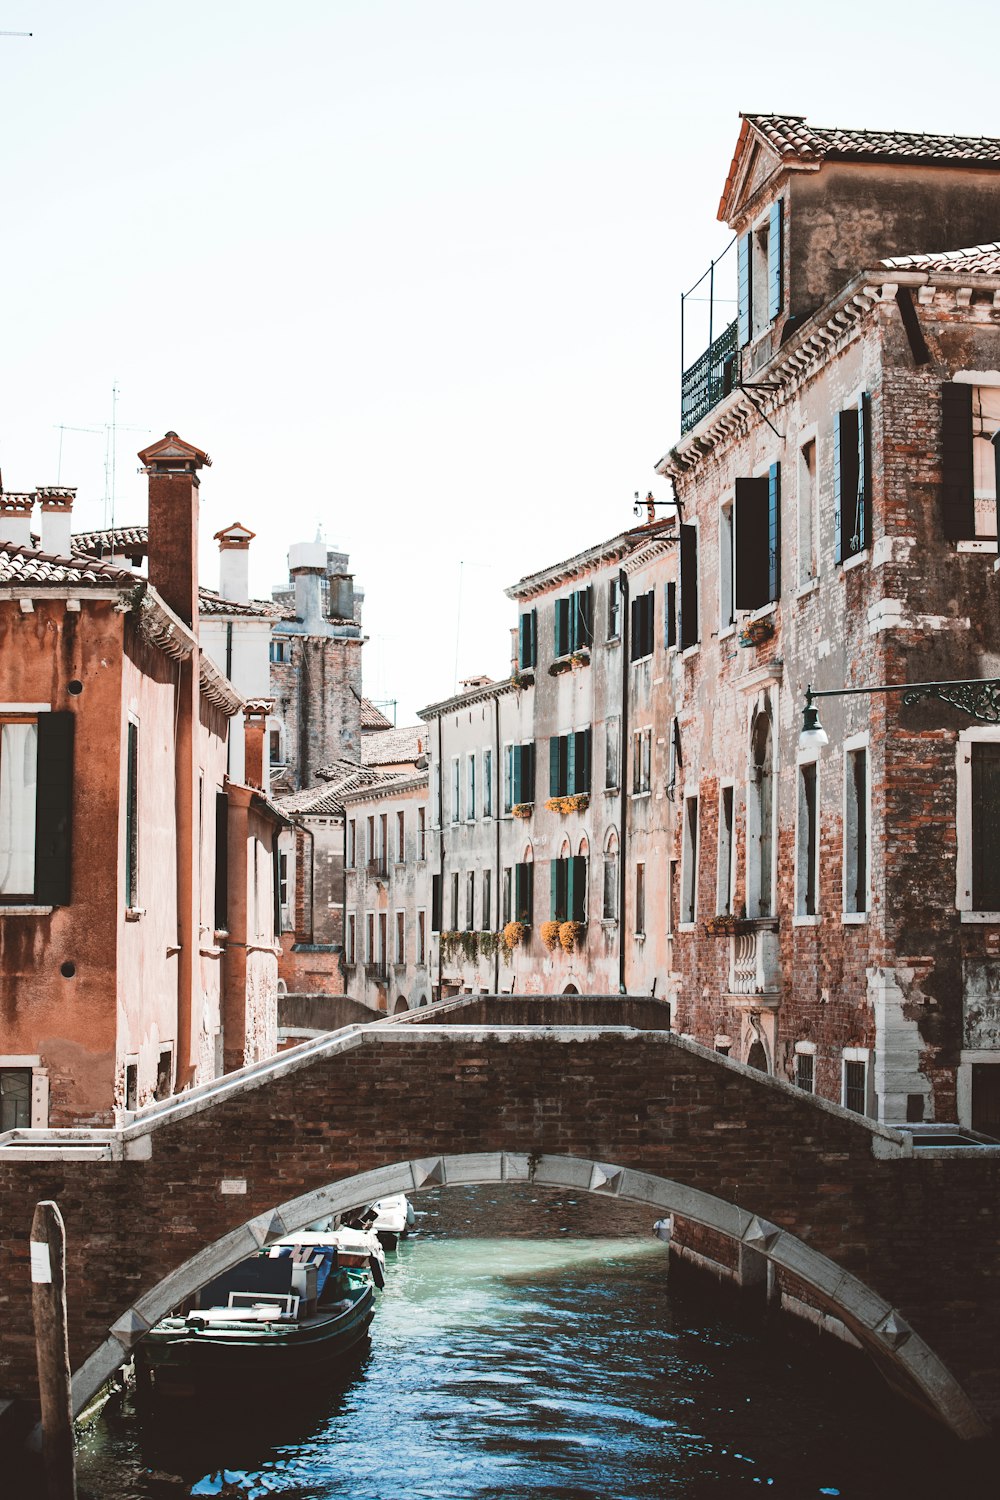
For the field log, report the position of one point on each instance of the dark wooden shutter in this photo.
(54, 810)
(689, 585)
(744, 290)
(516, 778)
(958, 509)
(864, 521)
(276, 890)
(435, 903)
(576, 902)
(753, 498)
(562, 627)
(524, 642)
(222, 862)
(669, 615)
(527, 774)
(985, 826)
(582, 739)
(523, 892)
(555, 756)
(774, 532)
(534, 637)
(585, 616)
(774, 251)
(845, 482)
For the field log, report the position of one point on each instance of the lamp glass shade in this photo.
(813, 736)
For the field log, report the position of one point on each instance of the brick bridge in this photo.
(901, 1246)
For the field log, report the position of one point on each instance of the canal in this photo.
(532, 1345)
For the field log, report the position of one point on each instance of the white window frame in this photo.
(727, 515)
(18, 715)
(982, 733)
(727, 870)
(421, 953)
(858, 1055)
(802, 918)
(39, 1085)
(806, 1049)
(615, 720)
(642, 760)
(399, 947)
(851, 744)
(690, 860)
(508, 776)
(470, 787)
(487, 790)
(351, 939)
(805, 584)
(456, 789)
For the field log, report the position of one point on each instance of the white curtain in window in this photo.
(18, 776)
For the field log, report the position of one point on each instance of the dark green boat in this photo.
(292, 1311)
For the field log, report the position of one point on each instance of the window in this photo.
(807, 843)
(372, 851)
(470, 788)
(574, 630)
(487, 783)
(456, 790)
(436, 903)
(383, 840)
(569, 889)
(352, 844)
(760, 819)
(518, 775)
(855, 1080)
(281, 651)
(805, 1075)
(222, 861)
(400, 937)
(672, 885)
(985, 841)
(689, 860)
(569, 764)
(612, 756)
(760, 276)
(351, 944)
(610, 910)
(643, 613)
(727, 613)
(689, 627)
(421, 833)
(487, 901)
(421, 937)
(642, 754)
(470, 900)
(856, 817)
(669, 615)
(15, 1099)
(164, 1074)
(383, 936)
(724, 891)
(400, 837)
(524, 891)
(758, 540)
(640, 900)
(806, 559)
(36, 777)
(527, 640)
(970, 461)
(852, 468)
(507, 895)
(614, 609)
(985, 1082)
(454, 902)
(370, 937)
(132, 816)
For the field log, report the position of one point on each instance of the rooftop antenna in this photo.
(61, 427)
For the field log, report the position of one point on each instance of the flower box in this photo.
(756, 632)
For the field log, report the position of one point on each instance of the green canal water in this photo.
(533, 1346)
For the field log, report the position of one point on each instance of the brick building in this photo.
(837, 488)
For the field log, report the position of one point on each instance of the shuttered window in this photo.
(852, 469)
(523, 773)
(689, 587)
(574, 622)
(222, 861)
(614, 609)
(561, 638)
(774, 249)
(527, 640)
(985, 826)
(642, 617)
(670, 614)
(435, 903)
(524, 886)
(36, 787)
(569, 764)
(752, 542)
(957, 499)
(744, 289)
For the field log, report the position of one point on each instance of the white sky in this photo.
(410, 270)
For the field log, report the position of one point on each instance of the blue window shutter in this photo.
(570, 743)
(522, 642)
(744, 290)
(865, 473)
(774, 532)
(838, 507)
(774, 262)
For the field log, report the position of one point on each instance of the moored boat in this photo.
(391, 1218)
(295, 1309)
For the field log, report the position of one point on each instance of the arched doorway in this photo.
(757, 1057)
(400, 1006)
(571, 989)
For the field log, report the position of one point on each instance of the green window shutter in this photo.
(569, 865)
(517, 792)
(570, 743)
(562, 627)
(523, 641)
(523, 892)
(585, 617)
(54, 809)
(528, 772)
(582, 753)
(554, 787)
(864, 521)
(845, 483)
(435, 903)
(774, 262)
(752, 507)
(958, 509)
(533, 633)
(744, 290)
(774, 532)
(689, 586)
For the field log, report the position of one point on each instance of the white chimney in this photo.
(234, 562)
(307, 566)
(15, 519)
(57, 519)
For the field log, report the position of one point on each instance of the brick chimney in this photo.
(15, 519)
(257, 760)
(307, 566)
(234, 562)
(57, 519)
(172, 466)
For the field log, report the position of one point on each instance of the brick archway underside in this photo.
(877, 1325)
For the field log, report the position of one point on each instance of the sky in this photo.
(410, 272)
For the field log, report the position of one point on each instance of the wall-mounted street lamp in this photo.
(979, 697)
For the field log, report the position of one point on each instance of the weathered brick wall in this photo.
(922, 1233)
(317, 698)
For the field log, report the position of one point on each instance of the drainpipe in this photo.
(623, 595)
(498, 773)
(440, 818)
(229, 674)
(343, 904)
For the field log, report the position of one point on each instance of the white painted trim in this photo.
(26, 911)
(968, 1058)
(25, 708)
(855, 561)
(17, 1060)
(852, 744)
(806, 589)
(979, 734)
(804, 921)
(977, 377)
(806, 1047)
(854, 918)
(807, 758)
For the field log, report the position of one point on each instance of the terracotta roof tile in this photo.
(790, 135)
(979, 260)
(130, 539)
(24, 566)
(341, 777)
(372, 717)
(390, 747)
(210, 602)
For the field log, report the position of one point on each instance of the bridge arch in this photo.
(878, 1326)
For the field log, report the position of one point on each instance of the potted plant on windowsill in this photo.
(513, 934)
(549, 934)
(571, 935)
(522, 809)
(575, 802)
(756, 632)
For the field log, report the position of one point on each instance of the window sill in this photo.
(26, 911)
(612, 791)
(688, 651)
(613, 640)
(987, 545)
(611, 923)
(807, 921)
(727, 631)
(806, 589)
(765, 611)
(853, 918)
(637, 660)
(134, 913)
(637, 796)
(854, 562)
(639, 937)
(687, 926)
(982, 917)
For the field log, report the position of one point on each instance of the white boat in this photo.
(390, 1218)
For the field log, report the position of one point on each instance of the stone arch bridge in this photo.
(901, 1245)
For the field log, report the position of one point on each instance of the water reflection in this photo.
(560, 1367)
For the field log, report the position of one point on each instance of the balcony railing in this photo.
(378, 866)
(377, 969)
(711, 378)
(754, 963)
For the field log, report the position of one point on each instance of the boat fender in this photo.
(378, 1275)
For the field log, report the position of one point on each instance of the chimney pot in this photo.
(57, 519)
(15, 518)
(234, 562)
(172, 466)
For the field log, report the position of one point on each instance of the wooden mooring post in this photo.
(48, 1307)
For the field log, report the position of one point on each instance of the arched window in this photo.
(276, 741)
(760, 819)
(610, 909)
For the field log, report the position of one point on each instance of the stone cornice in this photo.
(583, 563)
